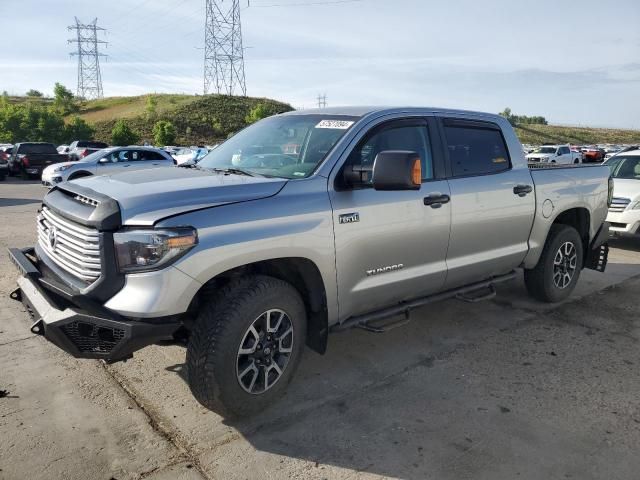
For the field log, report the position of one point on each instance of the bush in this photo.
(78, 129)
(123, 135)
(164, 133)
(258, 112)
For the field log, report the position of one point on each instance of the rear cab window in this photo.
(38, 149)
(475, 148)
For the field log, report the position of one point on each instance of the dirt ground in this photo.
(504, 389)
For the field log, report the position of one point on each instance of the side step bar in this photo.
(365, 321)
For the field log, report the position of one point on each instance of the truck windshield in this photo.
(625, 167)
(289, 146)
(547, 150)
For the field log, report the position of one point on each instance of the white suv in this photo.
(624, 212)
(560, 154)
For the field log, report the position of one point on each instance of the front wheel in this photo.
(246, 345)
(558, 269)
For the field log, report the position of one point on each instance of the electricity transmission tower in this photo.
(89, 78)
(223, 53)
(322, 101)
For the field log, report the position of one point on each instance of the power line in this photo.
(89, 77)
(308, 4)
(223, 52)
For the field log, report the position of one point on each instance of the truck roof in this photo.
(362, 111)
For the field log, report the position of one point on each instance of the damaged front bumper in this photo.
(78, 326)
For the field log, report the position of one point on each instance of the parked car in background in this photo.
(593, 154)
(624, 212)
(258, 252)
(83, 148)
(29, 159)
(171, 149)
(192, 154)
(560, 154)
(107, 161)
(63, 149)
(5, 152)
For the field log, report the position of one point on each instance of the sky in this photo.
(575, 62)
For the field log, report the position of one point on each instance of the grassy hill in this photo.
(208, 119)
(197, 119)
(539, 134)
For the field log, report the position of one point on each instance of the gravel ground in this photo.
(505, 389)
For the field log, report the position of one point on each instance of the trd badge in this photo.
(349, 217)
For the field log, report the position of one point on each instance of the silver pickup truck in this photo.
(301, 224)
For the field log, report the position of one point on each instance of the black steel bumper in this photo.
(87, 331)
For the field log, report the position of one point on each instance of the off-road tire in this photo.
(540, 279)
(221, 325)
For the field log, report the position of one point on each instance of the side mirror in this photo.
(397, 170)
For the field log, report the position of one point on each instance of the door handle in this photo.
(435, 200)
(522, 190)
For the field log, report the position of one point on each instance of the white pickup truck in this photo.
(560, 154)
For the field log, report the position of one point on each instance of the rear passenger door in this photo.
(491, 216)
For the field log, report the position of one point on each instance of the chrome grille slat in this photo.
(619, 204)
(77, 248)
(70, 227)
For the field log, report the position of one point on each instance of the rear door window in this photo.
(38, 149)
(475, 149)
(148, 155)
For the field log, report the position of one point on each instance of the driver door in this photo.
(390, 245)
(114, 162)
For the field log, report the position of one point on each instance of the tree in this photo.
(63, 99)
(34, 93)
(258, 112)
(122, 134)
(216, 126)
(150, 108)
(78, 129)
(164, 133)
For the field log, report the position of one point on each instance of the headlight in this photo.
(144, 250)
(62, 168)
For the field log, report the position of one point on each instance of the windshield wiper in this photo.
(233, 170)
(190, 164)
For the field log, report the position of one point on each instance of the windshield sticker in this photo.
(335, 124)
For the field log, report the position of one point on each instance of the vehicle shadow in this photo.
(625, 243)
(14, 202)
(458, 391)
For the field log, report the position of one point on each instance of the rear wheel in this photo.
(558, 269)
(246, 345)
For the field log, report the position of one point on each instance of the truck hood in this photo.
(147, 196)
(626, 188)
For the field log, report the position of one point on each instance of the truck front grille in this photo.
(73, 247)
(618, 204)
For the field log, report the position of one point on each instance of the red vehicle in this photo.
(592, 154)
